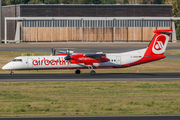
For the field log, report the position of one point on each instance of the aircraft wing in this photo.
(93, 55)
(70, 52)
(62, 52)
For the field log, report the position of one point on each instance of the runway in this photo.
(88, 77)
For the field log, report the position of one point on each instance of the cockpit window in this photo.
(17, 60)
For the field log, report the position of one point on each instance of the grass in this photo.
(173, 52)
(164, 65)
(89, 98)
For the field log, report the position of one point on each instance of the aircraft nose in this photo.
(5, 67)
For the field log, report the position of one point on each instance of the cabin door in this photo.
(118, 60)
(29, 63)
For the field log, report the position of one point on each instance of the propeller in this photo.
(53, 51)
(68, 57)
(68, 54)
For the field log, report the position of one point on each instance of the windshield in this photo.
(16, 60)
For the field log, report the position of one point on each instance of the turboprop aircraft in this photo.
(70, 60)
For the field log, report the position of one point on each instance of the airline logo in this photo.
(160, 44)
(44, 61)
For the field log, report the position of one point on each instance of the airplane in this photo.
(70, 60)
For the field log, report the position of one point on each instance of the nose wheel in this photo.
(77, 71)
(11, 72)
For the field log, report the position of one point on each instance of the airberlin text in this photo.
(44, 61)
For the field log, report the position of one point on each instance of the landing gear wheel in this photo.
(77, 71)
(11, 73)
(92, 72)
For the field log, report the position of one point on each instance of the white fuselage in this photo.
(58, 62)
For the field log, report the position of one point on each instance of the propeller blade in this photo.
(54, 53)
(67, 64)
(67, 52)
(68, 57)
(70, 64)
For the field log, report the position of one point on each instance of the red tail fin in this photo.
(159, 42)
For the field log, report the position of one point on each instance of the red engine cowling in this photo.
(80, 58)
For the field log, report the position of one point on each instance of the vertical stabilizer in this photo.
(159, 42)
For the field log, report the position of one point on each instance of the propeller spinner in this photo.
(68, 57)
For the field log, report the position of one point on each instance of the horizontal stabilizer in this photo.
(163, 31)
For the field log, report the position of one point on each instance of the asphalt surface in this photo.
(173, 57)
(81, 47)
(88, 77)
(86, 49)
(176, 117)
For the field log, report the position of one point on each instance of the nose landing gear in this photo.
(11, 72)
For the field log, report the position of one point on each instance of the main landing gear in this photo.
(77, 71)
(11, 72)
(92, 72)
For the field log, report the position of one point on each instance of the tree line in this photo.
(175, 5)
(12, 2)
